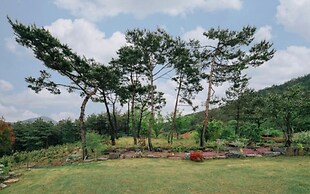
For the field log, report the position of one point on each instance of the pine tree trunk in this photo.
(238, 118)
(82, 126)
(150, 127)
(206, 120)
(133, 116)
(133, 120)
(115, 119)
(112, 129)
(128, 119)
(173, 124)
(288, 131)
(140, 122)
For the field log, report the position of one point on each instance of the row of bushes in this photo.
(54, 155)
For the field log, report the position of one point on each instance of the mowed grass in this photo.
(256, 175)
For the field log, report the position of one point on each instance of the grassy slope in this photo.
(260, 175)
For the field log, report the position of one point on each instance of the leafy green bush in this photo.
(240, 143)
(271, 132)
(215, 129)
(302, 138)
(251, 132)
(4, 170)
(94, 143)
(211, 144)
(195, 136)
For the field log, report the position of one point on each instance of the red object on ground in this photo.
(196, 156)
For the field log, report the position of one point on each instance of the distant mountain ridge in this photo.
(44, 118)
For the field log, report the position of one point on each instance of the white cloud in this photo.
(197, 34)
(286, 64)
(5, 85)
(43, 100)
(263, 33)
(294, 16)
(14, 47)
(95, 10)
(63, 115)
(11, 44)
(12, 114)
(27, 104)
(85, 39)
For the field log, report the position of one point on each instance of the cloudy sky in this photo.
(95, 28)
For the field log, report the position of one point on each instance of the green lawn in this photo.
(258, 175)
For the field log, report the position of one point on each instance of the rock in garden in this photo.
(2, 186)
(157, 149)
(89, 160)
(234, 155)
(152, 156)
(220, 157)
(121, 150)
(114, 155)
(10, 181)
(272, 154)
(277, 149)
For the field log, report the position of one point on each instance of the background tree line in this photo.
(130, 79)
(256, 120)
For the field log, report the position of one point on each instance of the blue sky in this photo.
(95, 28)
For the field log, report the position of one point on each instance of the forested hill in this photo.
(225, 113)
(303, 81)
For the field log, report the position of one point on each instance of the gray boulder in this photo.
(272, 154)
(234, 155)
(2, 186)
(114, 155)
(277, 149)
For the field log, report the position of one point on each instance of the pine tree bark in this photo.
(206, 120)
(133, 116)
(150, 127)
(82, 125)
(173, 124)
(112, 128)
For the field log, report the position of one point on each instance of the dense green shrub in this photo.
(195, 136)
(302, 138)
(95, 143)
(214, 130)
(271, 132)
(251, 132)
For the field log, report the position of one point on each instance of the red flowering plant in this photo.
(196, 156)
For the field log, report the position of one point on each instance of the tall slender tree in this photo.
(234, 93)
(60, 58)
(187, 77)
(233, 52)
(154, 48)
(128, 62)
(108, 84)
